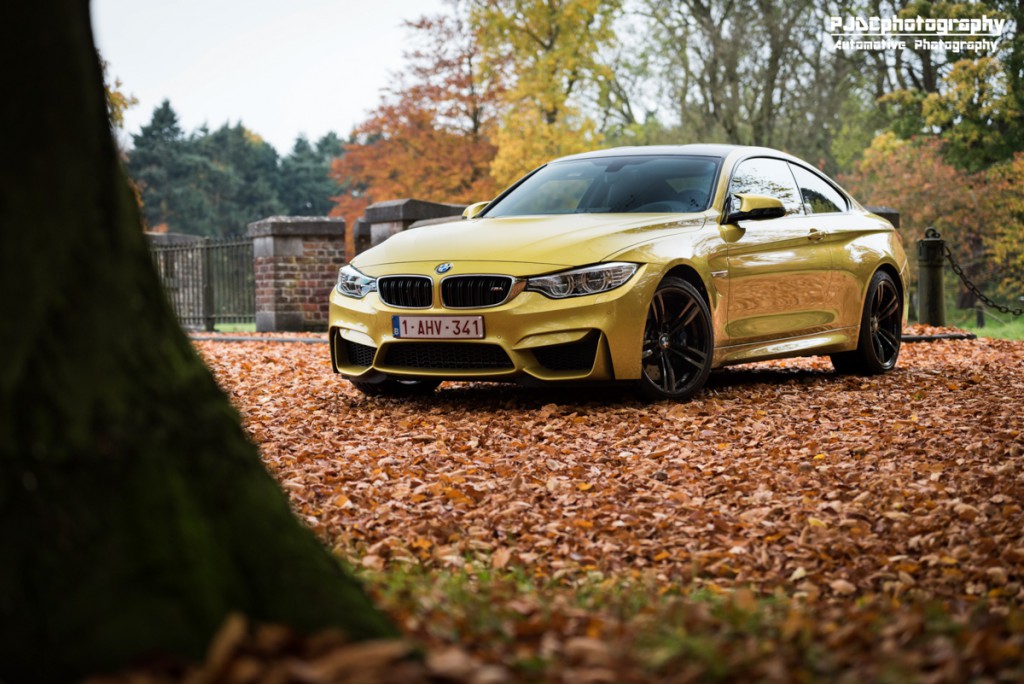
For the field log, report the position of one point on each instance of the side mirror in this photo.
(755, 208)
(473, 210)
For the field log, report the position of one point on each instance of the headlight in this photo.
(582, 281)
(352, 283)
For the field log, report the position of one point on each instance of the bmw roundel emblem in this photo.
(444, 268)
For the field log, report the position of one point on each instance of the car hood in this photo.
(559, 241)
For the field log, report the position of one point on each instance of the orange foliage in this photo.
(431, 139)
(407, 154)
(980, 215)
(1005, 185)
(913, 177)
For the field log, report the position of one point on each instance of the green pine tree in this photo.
(305, 186)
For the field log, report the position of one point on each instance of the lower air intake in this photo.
(446, 356)
(575, 356)
(359, 354)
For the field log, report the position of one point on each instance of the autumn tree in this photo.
(118, 101)
(431, 136)
(749, 72)
(1006, 236)
(134, 514)
(1013, 57)
(953, 150)
(916, 69)
(913, 176)
(973, 101)
(980, 215)
(976, 114)
(550, 51)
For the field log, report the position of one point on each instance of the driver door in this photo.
(779, 269)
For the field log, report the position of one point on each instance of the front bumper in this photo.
(530, 337)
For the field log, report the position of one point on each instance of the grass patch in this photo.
(1010, 327)
(642, 628)
(235, 327)
(998, 326)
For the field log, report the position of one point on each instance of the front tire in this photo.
(881, 331)
(678, 342)
(395, 387)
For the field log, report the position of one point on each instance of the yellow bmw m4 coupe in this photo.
(643, 265)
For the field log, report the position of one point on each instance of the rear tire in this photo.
(678, 342)
(881, 331)
(394, 387)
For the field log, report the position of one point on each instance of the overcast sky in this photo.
(281, 67)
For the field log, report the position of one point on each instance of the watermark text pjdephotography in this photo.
(978, 34)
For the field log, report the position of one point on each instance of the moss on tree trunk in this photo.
(134, 513)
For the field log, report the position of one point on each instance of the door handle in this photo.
(816, 235)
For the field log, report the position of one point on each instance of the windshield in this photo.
(611, 185)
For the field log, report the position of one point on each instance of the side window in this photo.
(818, 194)
(764, 176)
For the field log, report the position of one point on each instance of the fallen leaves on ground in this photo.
(849, 496)
(241, 653)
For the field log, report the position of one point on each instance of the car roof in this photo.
(700, 150)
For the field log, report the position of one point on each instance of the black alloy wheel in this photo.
(678, 342)
(881, 330)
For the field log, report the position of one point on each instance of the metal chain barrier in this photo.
(1002, 308)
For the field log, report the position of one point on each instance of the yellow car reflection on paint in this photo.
(646, 265)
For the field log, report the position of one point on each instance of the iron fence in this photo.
(209, 282)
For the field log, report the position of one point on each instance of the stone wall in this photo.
(296, 262)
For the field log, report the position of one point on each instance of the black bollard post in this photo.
(930, 256)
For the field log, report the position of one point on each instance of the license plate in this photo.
(438, 327)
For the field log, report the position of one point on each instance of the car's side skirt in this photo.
(830, 342)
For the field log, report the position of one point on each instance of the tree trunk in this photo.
(134, 514)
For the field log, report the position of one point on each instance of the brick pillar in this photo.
(296, 260)
(361, 234)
